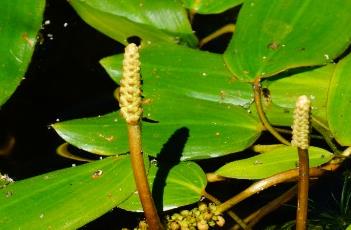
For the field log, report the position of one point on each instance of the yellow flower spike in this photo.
(301, 126)
(130, 103)
(130, 92)
(300, 139)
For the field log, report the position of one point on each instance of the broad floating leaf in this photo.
(210, 6)
(210, 122)
(339, 102)
(227, 130)
(152, 20)
(272, 36)
(183, 184)
(67, 198)
(272, 162)
(20, 21)
(187, 72)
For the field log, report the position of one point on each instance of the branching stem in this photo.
(256, 216)
(271, 181)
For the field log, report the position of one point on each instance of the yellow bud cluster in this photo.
(301, 125)
(203, 217)
(130, 92)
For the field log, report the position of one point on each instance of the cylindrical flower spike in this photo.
(130, 92)
(301, 125)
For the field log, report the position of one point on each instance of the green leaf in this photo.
(103, 135)
(272, 36)
(67, 198)
(184, 184)
(339, 102)
(348, 227)
(187, 72)
(151, 20)
(210, 6)
(211, 121)
(282, 92)
(272, 162)
(224, 131)
(20, 21)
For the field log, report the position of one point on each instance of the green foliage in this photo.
(202, 83)
(151, 20)
(67, 198)
(271, 162)
(20, 21)
(183, 185)
(210, 6)
(281, 35)
(284, 91)
(197, 104)
(216, 111)
(70, 198)
(339, 103)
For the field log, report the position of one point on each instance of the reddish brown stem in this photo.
(303, 184)
(140, 178)
(271, 181)
(256, 216)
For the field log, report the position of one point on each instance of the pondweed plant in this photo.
(196, 105)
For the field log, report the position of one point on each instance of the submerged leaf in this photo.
(267, 164)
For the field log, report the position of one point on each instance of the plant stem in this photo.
(261, 113)
(303, 185)
(301, 138)
(232, 214)
(145, 196)
(213, 177)
(256, 216)
(271, 181)
(130, 101)
(229, 28)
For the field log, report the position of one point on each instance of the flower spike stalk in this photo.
(300, 139)
(130, 103)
